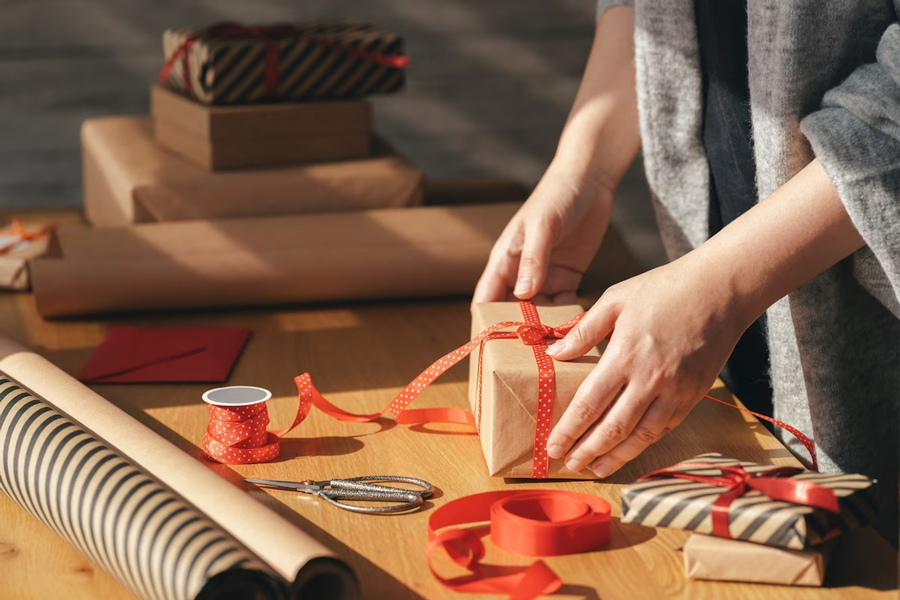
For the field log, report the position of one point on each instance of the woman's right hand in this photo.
(550, 242)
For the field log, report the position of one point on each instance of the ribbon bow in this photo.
(532, 335)
(23, 235)
(270, 36)
(775, 483)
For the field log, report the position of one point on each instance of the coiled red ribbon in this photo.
(774, 483)
(533, 523)
(269, 36)
(237, 435)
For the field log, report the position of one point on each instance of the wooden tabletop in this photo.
(360, 356)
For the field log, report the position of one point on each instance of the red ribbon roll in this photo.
(532, 523)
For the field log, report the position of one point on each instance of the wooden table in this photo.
(360, 356)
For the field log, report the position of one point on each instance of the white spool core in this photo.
(236, 395)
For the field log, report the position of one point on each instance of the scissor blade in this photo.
(286, 485)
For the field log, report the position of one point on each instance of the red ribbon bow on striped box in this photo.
(787, 507)
(229, 63)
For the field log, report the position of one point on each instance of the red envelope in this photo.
(165, 354)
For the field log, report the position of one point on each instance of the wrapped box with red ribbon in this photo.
(230, 63)
(786, 507)
(517, 392)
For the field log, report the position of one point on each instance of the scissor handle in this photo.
(404, 500)
(361, 483)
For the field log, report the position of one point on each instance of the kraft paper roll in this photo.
(388, 253)
(156, 519)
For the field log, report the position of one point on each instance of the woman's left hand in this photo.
(675, 327)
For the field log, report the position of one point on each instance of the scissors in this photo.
(359, 488)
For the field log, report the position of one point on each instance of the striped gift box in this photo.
(233, 64)
(667, 500)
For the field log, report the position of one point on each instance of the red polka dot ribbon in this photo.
(237, 434)
(528, 522)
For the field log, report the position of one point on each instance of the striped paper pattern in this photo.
(138, 531)
(685, 504)
(232, 70)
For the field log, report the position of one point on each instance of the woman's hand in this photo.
(675, 326)
(549, 243)
(674, 330)
(544, 250)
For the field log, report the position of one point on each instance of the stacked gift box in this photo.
(257, 179)
(752, 522)
(251, 122)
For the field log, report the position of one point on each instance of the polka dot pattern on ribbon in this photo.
(238, 435)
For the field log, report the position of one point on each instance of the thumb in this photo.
(596, 325)
(533, 262)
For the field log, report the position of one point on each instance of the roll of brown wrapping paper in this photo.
(156, 519)
(387, 253)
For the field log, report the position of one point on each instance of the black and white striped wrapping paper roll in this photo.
(685, 504)
(232, 70)
(140, 532)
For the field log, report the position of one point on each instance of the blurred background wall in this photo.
(489, 87)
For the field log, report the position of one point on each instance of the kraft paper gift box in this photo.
(509, 391)
(232, 64)
(260, 135)
(671, 501)
(393, 253)
(129, 179)
(15, 255)
(717, 559)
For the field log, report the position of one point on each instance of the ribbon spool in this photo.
(532, 523)
(236, 433)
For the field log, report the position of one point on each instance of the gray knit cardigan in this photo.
(824, 81)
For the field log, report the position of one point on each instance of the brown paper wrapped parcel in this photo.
(129, 179)
(260, 135)
(361, 255)
(509, 384)
(753, 517)
(14, 262)
(717, 559)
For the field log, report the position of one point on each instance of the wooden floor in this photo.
(490, 85)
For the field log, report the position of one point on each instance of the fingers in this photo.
(491, 287)
(494, 284)
(616, 426)
(656, 423)
(596, 393)
(533, 261)
(594, 327)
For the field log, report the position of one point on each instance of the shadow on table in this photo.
(582, 591)
(862, 558)
(373, 579)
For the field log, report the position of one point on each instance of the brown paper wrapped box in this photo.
(687, 504)
(509, 386)
(261, 135)
(14, 264)
(707, 557)
(129, 179)
(388, 253)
